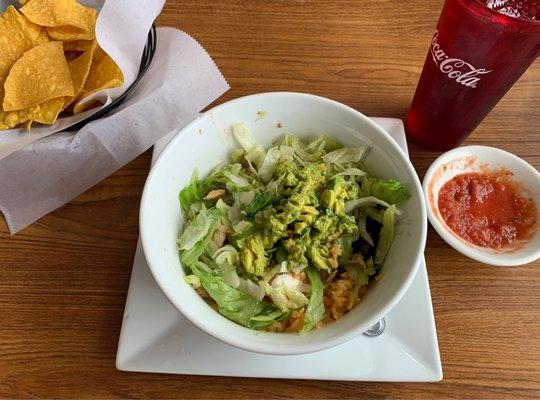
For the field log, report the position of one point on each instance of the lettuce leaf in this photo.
(190, 255)
(260, 202)
(227, 258)
(193, 280)
(325, 143)
(345, 155)
(197, 189)
(361, 220)
(236, 305)
(346, 243)
(242, 134)
(303, 153)
(277, 269)
(251, 289)
(273, 155)
(315, 309)
(386, 236)
(236, 181)
(196, 230)
(368, 201)
(255, 156)
(285, 297)
(349, 172)
(254, 153)
(390, 191)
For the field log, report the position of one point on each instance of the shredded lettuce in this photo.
(235, 213)
(243, 136)
(270, 160)
(226, 213)
(242, 227)
(301, 150)
(367, 201)
(278, 269)
(251, 289)
(386, 236)
(245, 197)
(259, 202)
(361, 220)
(203, 266)
(193, 280)
(196, 230)
(346, 243)
(285, 297)
(389, 191)
(197, 189)
(315, 309)
(350, 172)
(191, 255)
(345, 155)
(227, 258)
(236, 305)
(325, 143)
(256, 156)
(236, 182)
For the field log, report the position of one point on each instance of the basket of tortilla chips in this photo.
(51, 63)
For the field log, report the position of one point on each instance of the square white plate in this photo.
(155, 337)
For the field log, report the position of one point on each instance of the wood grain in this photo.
(63, 280)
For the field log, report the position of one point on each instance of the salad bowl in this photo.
(207, 141)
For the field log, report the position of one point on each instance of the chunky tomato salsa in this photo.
(487, 209)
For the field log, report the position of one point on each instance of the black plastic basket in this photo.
(146, 60)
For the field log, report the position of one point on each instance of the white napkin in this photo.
(121, 30)
(48, 173)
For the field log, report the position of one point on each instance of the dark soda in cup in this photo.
(479, 50)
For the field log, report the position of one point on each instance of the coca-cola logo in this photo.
(455, 68)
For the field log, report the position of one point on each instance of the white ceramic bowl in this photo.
(474, 159)
(207, 141)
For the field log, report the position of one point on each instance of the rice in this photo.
(336, 297)
(293, 323)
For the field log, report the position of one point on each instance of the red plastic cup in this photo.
(477, 53)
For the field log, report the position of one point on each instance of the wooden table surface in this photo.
(63, 280)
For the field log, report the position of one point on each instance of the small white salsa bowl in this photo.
(207, 141)
(478, 159)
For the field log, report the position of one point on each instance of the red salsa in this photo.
(487, 209)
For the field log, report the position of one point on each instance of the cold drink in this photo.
(478, 51)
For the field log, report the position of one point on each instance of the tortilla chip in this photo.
(42, 37)
(48, 111)
(59, 13)
(79, 69)
(104, 74)
(15, 40)
(39, 75)
(78, 45)
(32, 29)
(11, 119)
(70, 33)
